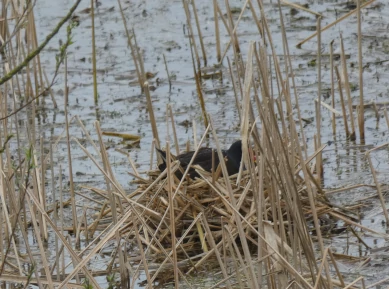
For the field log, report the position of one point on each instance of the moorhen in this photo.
(204, 160)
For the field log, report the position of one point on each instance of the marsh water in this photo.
(160, 28)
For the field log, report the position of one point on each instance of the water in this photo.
(160, 30)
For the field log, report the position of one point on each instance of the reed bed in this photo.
(261, 228)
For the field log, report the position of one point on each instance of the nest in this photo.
(203, 211)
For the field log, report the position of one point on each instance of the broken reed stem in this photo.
(347, 88)
(361, 115)
(344, 113)
(199, 31)
(333, 120)
(94, 72)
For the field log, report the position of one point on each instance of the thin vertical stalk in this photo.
(72, 193)
(332, 87)
(361, 115)
(319, 159)
(170, 181)
(95, 95)
(344, 113)
(347, 88)
(199, 31)
(217, 32)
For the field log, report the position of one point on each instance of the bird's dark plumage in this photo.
(204, 160)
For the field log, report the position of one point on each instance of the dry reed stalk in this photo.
(232, 253)
(342, 102)
(39, 84)
(378, 283)
(327, 106)
(386, 116)
(195, 141)
(351, 285)
(195, 221)
(352, 223)
(217, 253)
(199, 31)
(40, 245)
(217, 32)
(151, 113)
(222, 194)
(50, 90)
(94, 67)
(361, 115)
(348, 188)
(233, 35)
(143, 258)
(170, 183)
(43, 188)
(307, 249)
(221, 15)
(61, 217)
(69, 154)
(253, 280)
(333, 120)
(167, 72)
(290, 72)
(201, 98)
(93, 227)
(334, 23)
(174, 130)
(319, 161)
(192, 40)
(8, 228)
(299, 7)
(134, 53)
(114, 202)
(347, 88)
(378, 185)
(377, 114)
(338, 273)
(257, 21)
(237, 102)
(132, 164)
(118, 190)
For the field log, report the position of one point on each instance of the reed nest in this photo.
(205, 216)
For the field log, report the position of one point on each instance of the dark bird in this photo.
(204, 159)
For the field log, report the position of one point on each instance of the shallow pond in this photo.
(160, 28)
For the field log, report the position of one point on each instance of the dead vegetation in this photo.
(262, 228)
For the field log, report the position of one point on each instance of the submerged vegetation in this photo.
(274, 224)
